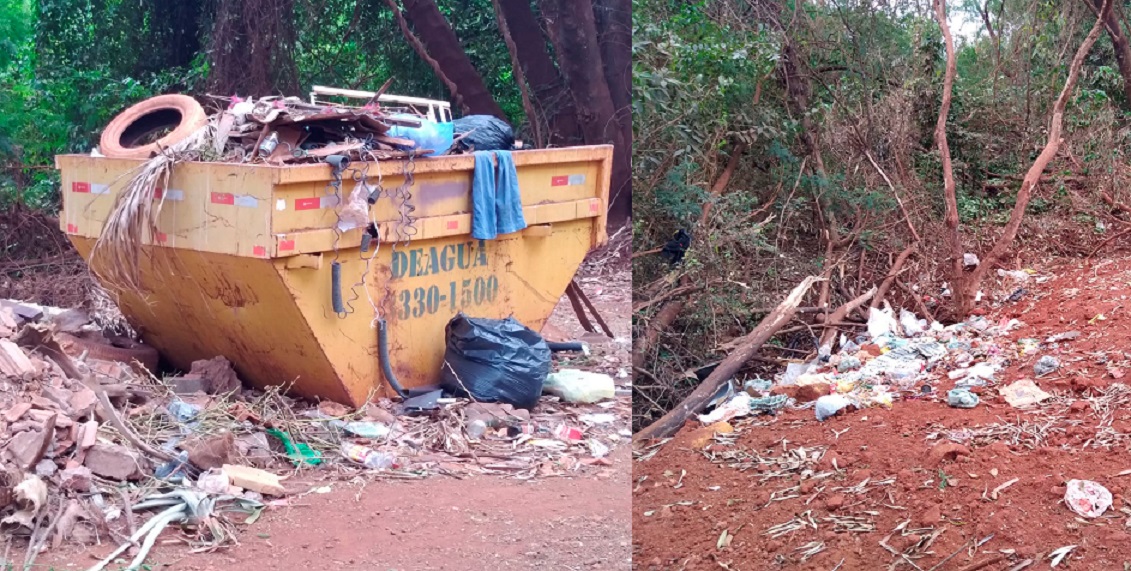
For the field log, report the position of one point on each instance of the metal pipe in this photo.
(383, 354)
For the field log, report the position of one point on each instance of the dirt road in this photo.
(573, 521)
(436, 524)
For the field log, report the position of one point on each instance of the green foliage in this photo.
(68, 66)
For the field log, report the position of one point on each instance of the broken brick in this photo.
(13, 414)
(211, 452)
(114, 462)
(190, 383)
(221, 377)
(76, 478)
(83, 402)
(13, 361)
(27, 448)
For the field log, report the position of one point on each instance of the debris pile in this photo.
(900, 358)
(89, 445)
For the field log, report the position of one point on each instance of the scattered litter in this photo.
(961, 398)
(1067, 336)
(1087, 498)
(740, 405)
(829, 405)
(298, 453)
(1023, 393)
(881, 322)
(577, 386)
(1046, 365)
(369, 457)
(597, 418)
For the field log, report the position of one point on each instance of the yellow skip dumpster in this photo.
(253, 261)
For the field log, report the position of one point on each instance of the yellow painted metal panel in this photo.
(198, 305)
(429, 282)
(224, 280)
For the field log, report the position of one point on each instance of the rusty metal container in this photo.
(242, 265)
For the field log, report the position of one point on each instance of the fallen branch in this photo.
(1111, 239)
(841, 312)
(926, 311)
(112, 416)
(670, 422)
(580, 294)
(667, 295)
(646, 253)
(893, 273)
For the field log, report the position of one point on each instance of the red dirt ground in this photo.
(481, 522)
(1082, 433)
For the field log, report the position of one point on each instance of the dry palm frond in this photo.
(133, 216)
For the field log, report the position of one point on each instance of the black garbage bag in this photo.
(485, 133)
(495, 360)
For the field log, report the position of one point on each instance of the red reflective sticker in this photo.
(259, 251)
(453, 224)
(72, 228)
(286, 245)
(223, 198)
(308, 203)
(559, 181)
(80, 187)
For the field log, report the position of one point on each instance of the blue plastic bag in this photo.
(437, 137)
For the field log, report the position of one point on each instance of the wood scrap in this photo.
(694, 403)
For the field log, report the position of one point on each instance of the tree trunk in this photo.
(614, 30)
(950, 196)
(532, 118)
(1033, 175)
(573, 31)
(671, 422)
(550, 94)
(443, 46)
(1119, 44)
(252, 48)
(614, 33)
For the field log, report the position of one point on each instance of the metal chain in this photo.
(406, 227)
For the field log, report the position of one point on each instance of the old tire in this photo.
(117, 349)
(180, 112)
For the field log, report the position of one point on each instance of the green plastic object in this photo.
(298, 453)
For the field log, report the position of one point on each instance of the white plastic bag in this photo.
(573, 385)
(1087, 498)
(880, 322)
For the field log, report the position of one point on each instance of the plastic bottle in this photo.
(368, 457)
(476, 429)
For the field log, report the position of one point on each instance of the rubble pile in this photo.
(91, 447)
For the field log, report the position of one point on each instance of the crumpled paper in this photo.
(1023, 394)
(30, 496)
